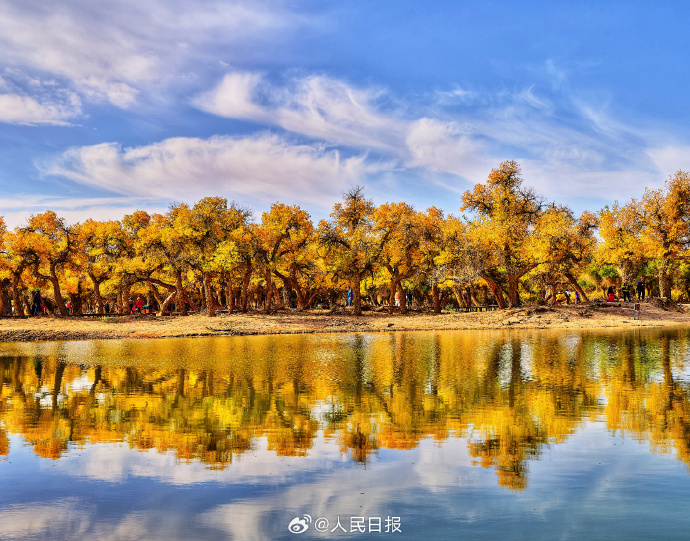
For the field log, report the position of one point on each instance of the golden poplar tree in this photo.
(351, 242)
(506, 216)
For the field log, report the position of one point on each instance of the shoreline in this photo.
(586, 316)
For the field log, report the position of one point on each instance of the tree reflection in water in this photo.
(210, 400)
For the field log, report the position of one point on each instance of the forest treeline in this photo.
(510, 246)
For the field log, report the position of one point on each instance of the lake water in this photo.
(464, 434)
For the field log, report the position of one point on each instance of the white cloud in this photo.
(112, 52)
(316, 106)
(59, 519)
(263, 169)
(561, 180)
(16, 210)
(446, 146)
(16, 109)
(670, 158)
(233, 98)
(566, 138)
(457, 95)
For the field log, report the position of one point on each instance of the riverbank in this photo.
(582, 316)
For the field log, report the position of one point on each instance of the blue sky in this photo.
(109, 107)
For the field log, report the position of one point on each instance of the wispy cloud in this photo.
(25, 110)
(446, 146)
(111, 53)
(262, 169)
(16, 210)
(670, 157)
(316, 106)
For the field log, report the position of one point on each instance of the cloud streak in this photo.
(25, 110)
(110, 53)
(316, 106)
(262, 168)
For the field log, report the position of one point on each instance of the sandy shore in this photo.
(582, 316)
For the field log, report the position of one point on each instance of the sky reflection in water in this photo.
(484, 434)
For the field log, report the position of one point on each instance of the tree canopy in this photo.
(509, 246)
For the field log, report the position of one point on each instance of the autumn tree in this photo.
(14, 264)
(467, 257)
(620, 230)
(48, 247)
(506, 216)
(100, 244)
(163, 245)
(286, 237)
(398, 229)
(350, 240)
(204, 229)
(430, 247)
(665, 220)
(565, 245)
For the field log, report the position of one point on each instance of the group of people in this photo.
(38, 305)
(135, 306)
(628, 291)
(398, 297)
(567, 297)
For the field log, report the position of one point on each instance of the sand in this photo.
(593, 315)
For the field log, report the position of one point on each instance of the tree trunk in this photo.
(403, 301)
(287, 295)
(156, 295)
(391, 299)
(435, 295)
(181, 305)
(459, 296)
(355, 281)
(126, 297)
(301, 293)
(496, 290)
(168, 301)
(513, 294)
(77, 300)
(16, 297)
(230, 297)
(664, 280)
(97, 293)
(210, 300)
(577, 287)
(7, 308)
(57, 292)
(245, 289)
(269, 291)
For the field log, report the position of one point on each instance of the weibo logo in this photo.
(299, 525)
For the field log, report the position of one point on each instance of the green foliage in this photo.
(608, 271)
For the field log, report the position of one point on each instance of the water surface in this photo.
(489, 435)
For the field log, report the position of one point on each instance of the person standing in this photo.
(640, 289)
(349, 296)
(627, 297)
(36, 303)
